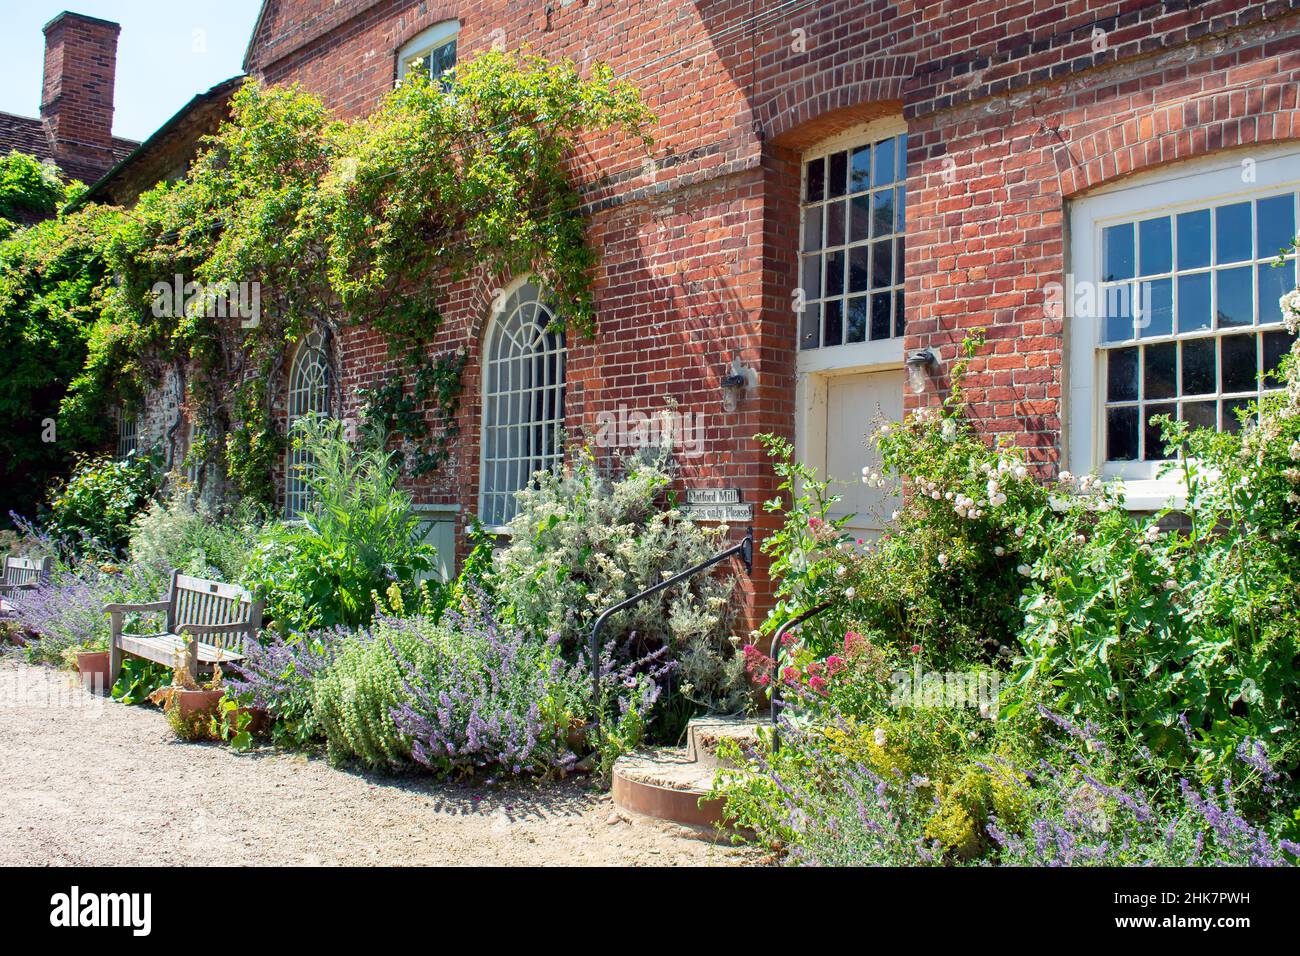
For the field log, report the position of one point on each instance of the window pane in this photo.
(1194, 239)
(860, 169)
(1194, 302)
(1155, 446)
(855, 327)
(832, 328)
(883, 203)
(1238, 365)
(1118, 326)
(1201, 414)
(1157, 307)
(1159, 374)
(900, 312)
(900, 209)
(816, 181)
(834, 273)
(1122, 375)
(1198, 367)
(883, 171)
(1276, 345)
(810, 326)
(858, 271)
(1275, 224)
(1273, 284)
(812, 277)
(812, 228)
(1154, 246)
(835, 223)
(1232, 233)
(902, 157)
(880, 325)
(1230, 418)
(860, 218)
(882, 265)
(1121, 434)
(1232, 287)
(899, 259)
(837, 174)
(1117, 252)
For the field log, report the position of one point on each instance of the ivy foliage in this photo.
(368, 221)
(53, 282)
(30, 190)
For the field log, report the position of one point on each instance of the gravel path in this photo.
(89, 781)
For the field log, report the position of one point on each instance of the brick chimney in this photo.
(77, 94)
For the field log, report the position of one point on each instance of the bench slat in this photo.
(169, 649)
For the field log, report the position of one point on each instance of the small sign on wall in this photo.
(717, 504)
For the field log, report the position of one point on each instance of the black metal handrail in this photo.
(774, 652)
(745, 549)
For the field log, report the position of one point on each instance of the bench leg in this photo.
(194, 659)
(114, 652)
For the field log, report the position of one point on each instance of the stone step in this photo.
(666, 784)
(704, 734)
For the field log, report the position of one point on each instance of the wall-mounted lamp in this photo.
(734, 384)
(921, 363)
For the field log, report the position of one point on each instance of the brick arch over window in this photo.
(836, 100)
(1178, 132)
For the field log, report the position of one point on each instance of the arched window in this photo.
(523, 401)
(431, 54)
(309, 394)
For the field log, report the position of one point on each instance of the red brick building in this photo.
(839, 187)
(75, 128)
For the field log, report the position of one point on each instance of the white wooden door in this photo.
(854, 405)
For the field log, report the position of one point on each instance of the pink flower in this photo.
(790, 675)
(915, 648)
(852, 642)
(814, 668)
(834, 664)
(814, 523)
(817, 685)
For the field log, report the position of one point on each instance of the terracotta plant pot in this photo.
(93, 668)
(577, 738)
(196, 703)
(257, 719)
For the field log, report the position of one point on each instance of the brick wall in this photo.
(1011, 108)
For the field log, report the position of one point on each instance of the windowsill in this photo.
(1153, 494)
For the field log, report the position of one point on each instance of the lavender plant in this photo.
(67, 612)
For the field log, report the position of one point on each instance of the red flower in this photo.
(834, 664)
(817, 685)
(790, 675)
(915, 648)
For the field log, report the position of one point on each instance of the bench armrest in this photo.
(123, 608)
(198, 630)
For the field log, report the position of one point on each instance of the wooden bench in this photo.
(212, 619)
(22, 574)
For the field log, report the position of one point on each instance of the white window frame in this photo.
(305, 398)
(128, 435)
(1195, 184)
(438, 35)
(881, 353)
(515, 350)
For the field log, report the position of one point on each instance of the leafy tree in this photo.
(53, 279)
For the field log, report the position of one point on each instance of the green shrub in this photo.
(94, 508)
(580, 543)
(360, 535)
(175, 533)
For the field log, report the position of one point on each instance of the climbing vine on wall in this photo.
(368, 221)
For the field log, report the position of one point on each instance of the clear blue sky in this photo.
(168, 50)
